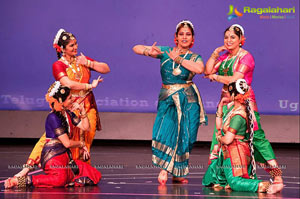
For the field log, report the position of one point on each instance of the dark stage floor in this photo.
(127, 172)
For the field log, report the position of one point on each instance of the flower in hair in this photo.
(57, 47)
(54, 88)
(57, 36)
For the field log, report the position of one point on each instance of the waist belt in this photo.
(80, 93)
(176, 86)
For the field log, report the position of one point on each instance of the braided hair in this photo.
(63, 120)
(240, 90)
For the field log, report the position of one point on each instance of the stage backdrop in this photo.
(107, 30)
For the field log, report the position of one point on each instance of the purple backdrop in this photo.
(107, 30)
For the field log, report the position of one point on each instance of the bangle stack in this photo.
(178, 60)
(219, 115)
(82, 116)
(88, 86)
(89, 64)
(30, 167)
(219, 138)
(214, 55)
(92, 64)
(146, 52)
(82, 144)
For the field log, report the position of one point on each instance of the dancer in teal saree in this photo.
(180, 110)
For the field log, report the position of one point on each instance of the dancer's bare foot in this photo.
(23, 172)
(163, 177)
(10, 183)
(275, 187)
(180, 180)
(217, 187)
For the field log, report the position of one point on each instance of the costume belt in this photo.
(177, 86)
(81, 93)
(51, 141)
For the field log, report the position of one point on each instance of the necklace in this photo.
(177, 71)
(232, 59)
(77, 73)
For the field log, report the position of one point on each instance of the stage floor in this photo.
(127, 172)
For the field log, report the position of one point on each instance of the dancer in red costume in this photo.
(56, 159)
(74, 72)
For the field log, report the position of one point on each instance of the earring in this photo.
(176, 41)
(192, 44)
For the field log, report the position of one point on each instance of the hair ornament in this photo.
(71, 37)
(57, 36)
(62, 91)
(54, 88)
(234, 26)
(241, 86)
(185, 22)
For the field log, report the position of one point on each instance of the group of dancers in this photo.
(238, 143)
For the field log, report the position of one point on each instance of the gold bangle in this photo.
(82, 144)
(82, 116)
(88, 86)
(178, 59)
(146, 51)
(92, 64)
(181, 60)
(214, 55)
(219, 115)
(88, 63)
(219, 137)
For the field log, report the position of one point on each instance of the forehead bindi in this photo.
(184, 30)
(230, 33)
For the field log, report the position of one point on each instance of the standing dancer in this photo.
(75, 72)
(56, 159)
(238, 63)
(180, 110)
(232, 167)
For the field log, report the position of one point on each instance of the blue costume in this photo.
(179, 113)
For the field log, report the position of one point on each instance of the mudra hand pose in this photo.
(74, 72)
(180, 109)
(234, 64)
(233, 165)
(56, 159)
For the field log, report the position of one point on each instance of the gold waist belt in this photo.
(177, 86)
(79, 93)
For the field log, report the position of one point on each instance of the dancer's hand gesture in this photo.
(154, 51)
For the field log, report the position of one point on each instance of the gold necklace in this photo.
(78, 72)
(183, 51)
